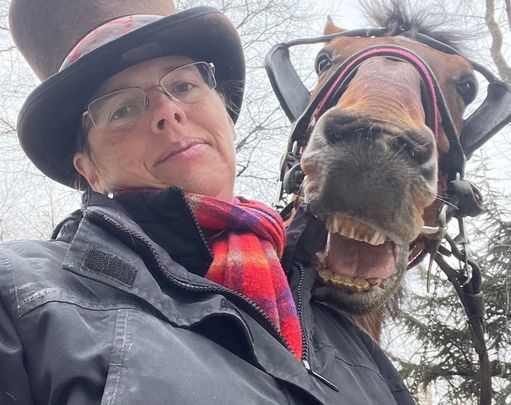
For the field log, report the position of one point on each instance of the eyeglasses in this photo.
(121, 109)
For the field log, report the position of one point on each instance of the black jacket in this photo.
(103, 314)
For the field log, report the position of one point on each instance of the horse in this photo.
(372, 165)
(377, 149)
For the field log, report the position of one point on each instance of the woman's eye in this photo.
(122, 112)
(467, 89)
(323, 62)
(182, 88)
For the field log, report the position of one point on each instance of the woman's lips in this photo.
(177, 148)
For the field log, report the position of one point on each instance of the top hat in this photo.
(75, 45)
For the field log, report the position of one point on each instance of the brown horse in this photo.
(377, 152)
(377, 155)
(372, 165)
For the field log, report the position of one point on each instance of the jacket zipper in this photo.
(305, 335)
(198, 288)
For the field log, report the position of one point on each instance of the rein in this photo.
(463, 198)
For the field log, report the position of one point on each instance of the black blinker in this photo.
(489, 118)
(293, 96)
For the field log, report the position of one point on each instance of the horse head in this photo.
(378, 141)
(372, 160)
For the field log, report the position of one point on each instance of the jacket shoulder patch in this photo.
(110, 265)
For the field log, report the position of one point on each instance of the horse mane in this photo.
(413, 17)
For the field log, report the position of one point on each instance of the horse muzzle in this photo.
(380, 173)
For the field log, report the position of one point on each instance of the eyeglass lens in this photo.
(121, 109)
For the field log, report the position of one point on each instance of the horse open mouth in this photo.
(359, 258)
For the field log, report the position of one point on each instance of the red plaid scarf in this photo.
(247, 243)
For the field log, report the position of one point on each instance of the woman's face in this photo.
(172, 144)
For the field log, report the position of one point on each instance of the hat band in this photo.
(106, 33)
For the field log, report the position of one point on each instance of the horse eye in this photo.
(323, 62)
(467, 89)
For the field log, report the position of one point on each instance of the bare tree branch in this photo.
(508, 11)
(497, 40)
(8, 49)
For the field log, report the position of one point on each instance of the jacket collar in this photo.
(166, 218)
(110, 247)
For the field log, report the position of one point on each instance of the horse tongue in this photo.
(359, 259)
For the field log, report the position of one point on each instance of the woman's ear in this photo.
(88, 170)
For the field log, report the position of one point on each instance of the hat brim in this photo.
(50, 118)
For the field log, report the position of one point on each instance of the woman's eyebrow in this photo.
(174, 67)
(164, 70)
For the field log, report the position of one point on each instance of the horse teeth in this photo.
(377, 239)
(326, 275)
(343, 278)
(331, 224)
(361, 282)
(345, 282)
(352, 229)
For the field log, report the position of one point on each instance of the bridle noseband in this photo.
(434, 100)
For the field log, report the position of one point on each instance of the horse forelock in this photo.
(414, 17)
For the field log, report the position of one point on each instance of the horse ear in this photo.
(330, 27)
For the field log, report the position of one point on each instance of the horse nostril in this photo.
(339, 133)
(339, 126)
(334, 135)
(415, 145)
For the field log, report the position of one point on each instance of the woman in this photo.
(164, 287)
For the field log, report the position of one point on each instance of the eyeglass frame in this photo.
(209, 65)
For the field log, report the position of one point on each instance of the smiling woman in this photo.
(164, 287)
(175, 133)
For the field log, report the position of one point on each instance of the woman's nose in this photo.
(165, 112)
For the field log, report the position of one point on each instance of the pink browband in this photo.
(401, 53)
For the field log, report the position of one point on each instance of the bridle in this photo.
(462, 198)
(491, 116)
